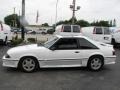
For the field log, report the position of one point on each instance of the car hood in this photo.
(24, 48)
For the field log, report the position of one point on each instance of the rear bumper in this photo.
(110, 60)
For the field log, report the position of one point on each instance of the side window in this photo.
(76, 29)
(106, 31)
(66, 44)
(67, 28)
(99, 31)
(85, 44)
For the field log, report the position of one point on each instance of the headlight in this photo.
(7, 56)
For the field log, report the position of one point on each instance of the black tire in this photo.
(113, 42)
(5, 42)
(95, 63)
(33, 61)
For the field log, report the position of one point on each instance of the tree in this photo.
(83, 23)
(101, 23)
(11, 19)
(45, 24)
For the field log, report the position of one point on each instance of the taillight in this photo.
(113, 53)
(94, 31)
(1, 27)
(62, 29)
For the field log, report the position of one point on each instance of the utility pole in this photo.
(73, 17)
(23, 18)
(73, 8)
(14, 20)
(56, 13)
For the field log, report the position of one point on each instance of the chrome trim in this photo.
(63, 59)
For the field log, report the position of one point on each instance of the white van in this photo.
(116, 37)
(101, 34)
(5, 33)
(67, 29)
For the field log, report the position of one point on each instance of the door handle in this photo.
(77, 52)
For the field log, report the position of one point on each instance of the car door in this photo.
(64, 53)
(98, 36)
(107, 36)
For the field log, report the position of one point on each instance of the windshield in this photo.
(50, 42)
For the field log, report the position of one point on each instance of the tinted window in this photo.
(66, 44)
(99, 31)
(76, 29)
(106, 31)
(67, 28)
(85, 44)
(50, 42)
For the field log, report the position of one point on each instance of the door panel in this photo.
(66, 53)
(62, 58)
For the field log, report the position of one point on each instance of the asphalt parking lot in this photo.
(60, 79)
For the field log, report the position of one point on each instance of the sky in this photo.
(91, 10)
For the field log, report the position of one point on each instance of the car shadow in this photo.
(80, 69)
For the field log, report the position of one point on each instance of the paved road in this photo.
(60, 79)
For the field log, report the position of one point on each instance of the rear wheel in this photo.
(113, 42)
(28, 64)
(5, 42)
(95, 63)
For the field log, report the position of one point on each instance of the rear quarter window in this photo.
(85, 44)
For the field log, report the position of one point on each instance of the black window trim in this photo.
(78, 46)
(89, 42)
(101, 29)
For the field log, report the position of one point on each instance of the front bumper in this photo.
(110, 60)
(10, 63)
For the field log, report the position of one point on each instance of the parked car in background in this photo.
(18, 30)
(116, 37)
(67, 29)
(113, 29)
(101, 34)
(44, 31)
(61, 51)
(5, 33)
(50, 31)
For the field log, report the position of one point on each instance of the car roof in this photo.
(70, 36)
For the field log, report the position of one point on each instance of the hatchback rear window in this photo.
(67, 28)
(76, 29)
(99, 31)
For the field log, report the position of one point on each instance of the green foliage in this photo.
(31, 40)
(10, 19)
(45, 25)
(83, 23)
(66, 22)
(16, 42)
(101, 23)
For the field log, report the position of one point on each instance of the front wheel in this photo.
(28, 64)
(95, 63)
(5, 42)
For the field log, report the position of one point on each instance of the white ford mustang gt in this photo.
(61, 51)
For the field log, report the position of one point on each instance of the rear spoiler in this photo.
(1, 25)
